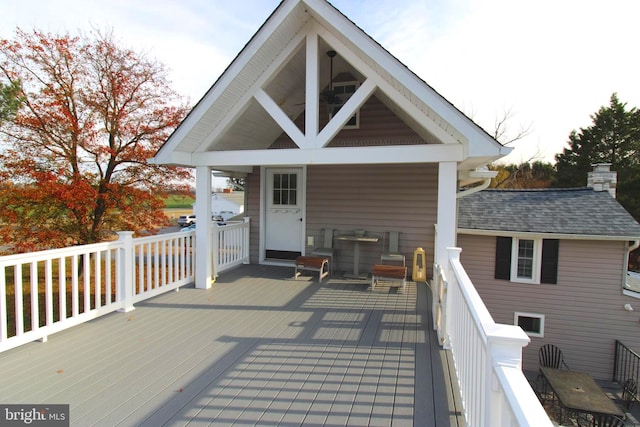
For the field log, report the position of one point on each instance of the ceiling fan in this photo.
(329, 95)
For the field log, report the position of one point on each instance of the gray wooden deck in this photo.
(256, 349)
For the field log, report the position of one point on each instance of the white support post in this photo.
(204, 257)
(127, 272)
(447, 213)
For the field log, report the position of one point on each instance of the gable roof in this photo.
(278, 76)
(571, 212)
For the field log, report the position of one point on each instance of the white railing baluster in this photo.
(17, 284)
(86, 276)
(74, 286)
(62, 288)
(35, 312)
(48, 291)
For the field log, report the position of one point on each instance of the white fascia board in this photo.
(177, 158)
(427, 153)
(493, 233)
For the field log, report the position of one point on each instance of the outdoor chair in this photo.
(601, 420)
(629, 394)
(326, 250)
(549, 356)
(392, 252)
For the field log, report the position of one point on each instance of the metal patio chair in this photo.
(602, 420)
(549, 356)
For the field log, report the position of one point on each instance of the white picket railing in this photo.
(487, 355)
(56, 289)
(231, 245)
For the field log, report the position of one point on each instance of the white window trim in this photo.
(537, 260)
(518, 314)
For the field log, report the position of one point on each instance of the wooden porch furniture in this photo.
(390, 272)
(313, 263)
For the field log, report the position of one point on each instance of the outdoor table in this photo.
(357, 239)
(578, 392)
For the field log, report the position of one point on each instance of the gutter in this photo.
(484, 174)
(634, 246)
(475, 189)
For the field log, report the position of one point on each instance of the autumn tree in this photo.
(92, 113)
(535, 174)
(614, 137)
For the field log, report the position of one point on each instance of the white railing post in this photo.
(504, 348)
(126, 280)
(215, 251)
(245, 240)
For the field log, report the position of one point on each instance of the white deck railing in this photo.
(45, 292)
(487, 355)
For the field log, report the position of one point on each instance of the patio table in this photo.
(578, 392)
(357, 239)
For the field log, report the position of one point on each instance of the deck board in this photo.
(256, 349)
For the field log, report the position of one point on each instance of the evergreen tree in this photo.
(614, 137)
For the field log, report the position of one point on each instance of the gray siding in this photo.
(376, 198)
(584, 312)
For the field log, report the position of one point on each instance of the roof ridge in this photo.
(533, 190)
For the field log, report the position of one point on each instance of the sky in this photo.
(549, 64)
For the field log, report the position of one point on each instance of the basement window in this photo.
(532, 324)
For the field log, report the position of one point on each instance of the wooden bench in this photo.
(392, 272)
(313, 263)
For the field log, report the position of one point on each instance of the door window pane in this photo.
(285, 188)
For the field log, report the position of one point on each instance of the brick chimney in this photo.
(602, 178)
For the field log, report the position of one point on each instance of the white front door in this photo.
(284, 216)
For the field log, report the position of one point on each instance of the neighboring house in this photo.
(330, 131)
(227, 204)
(554, 261)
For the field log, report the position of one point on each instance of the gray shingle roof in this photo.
(579, 211)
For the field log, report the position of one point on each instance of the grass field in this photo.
(179, 202)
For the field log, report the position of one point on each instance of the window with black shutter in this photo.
(527, 260)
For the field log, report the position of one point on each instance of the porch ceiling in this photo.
(277, 62)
